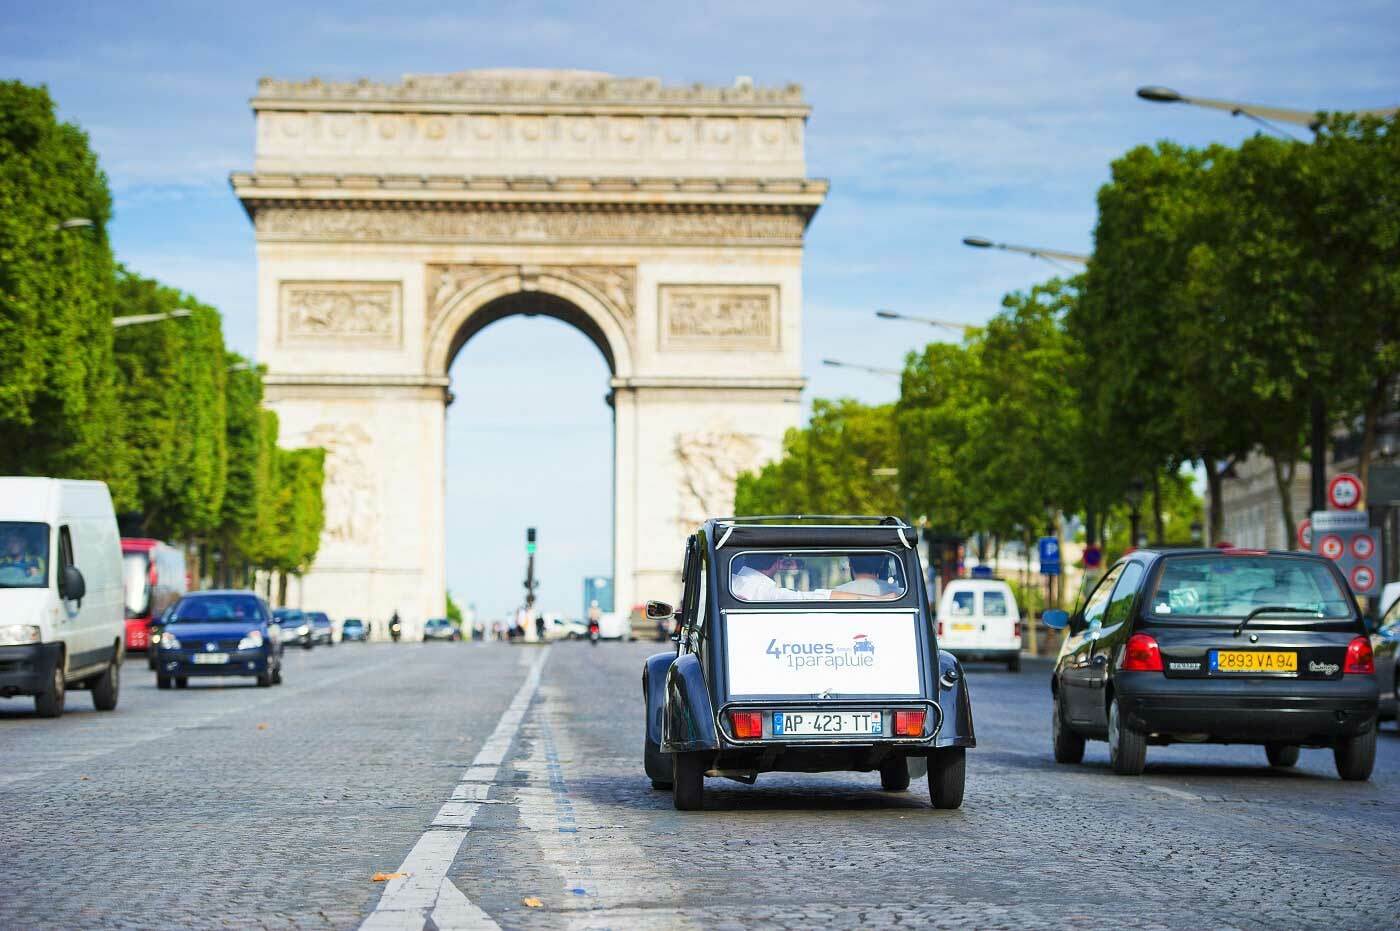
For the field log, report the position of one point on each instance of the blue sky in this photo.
(932, 120)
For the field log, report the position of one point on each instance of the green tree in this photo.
(936, 418)
(300, 475)
(58, 403)
(245, 482)
(454, 612)
(830, 466)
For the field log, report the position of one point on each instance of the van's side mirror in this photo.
(71, 584)
(1055, 619)
(659, 611)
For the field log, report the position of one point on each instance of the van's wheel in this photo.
(1356, 756)
(688, 781)
(947, 777)
(1014, 663)
(1069, 746)
(49, 702)
(894, 775)
(182, 682)
(107, 687)
(162, 682)
(1127, 748)
(1281, 755)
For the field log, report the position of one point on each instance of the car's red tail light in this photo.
(909, 723)
(1142, 655)
(747, 724)
(940, 628)
(1016, 631)
(1360, 660)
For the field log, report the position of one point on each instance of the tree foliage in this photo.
(58, 401)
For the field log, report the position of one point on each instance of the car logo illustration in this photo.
(211, 647)
(863, 644)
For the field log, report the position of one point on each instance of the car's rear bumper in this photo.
(1248, 710)
(974, 654)
(246, 663)
(27, 669)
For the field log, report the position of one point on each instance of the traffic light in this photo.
(530, 541)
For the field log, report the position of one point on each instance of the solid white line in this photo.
(425, 891)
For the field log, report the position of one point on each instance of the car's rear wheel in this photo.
(1014, 663)
(894, 775)
(1282, 755)
(1356, 756)
(947, 777)
(49, 702)
(1127, 748)
(688, 781)
(1069, 746)
(107, 688)
(162, 682)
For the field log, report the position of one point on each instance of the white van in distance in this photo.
(979, 619)
(61, 617)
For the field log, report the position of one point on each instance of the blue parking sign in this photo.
(1049, 556)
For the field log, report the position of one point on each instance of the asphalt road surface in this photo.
(506, 784)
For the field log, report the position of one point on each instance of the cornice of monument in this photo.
(527, 89)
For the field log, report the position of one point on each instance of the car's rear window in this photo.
(994, 604)
(773, 575)
(1232, 586)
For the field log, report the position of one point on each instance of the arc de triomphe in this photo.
(394, 221)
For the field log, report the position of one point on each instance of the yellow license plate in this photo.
(964, 626)
(1253, 661)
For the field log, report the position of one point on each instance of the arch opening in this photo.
(531, 304)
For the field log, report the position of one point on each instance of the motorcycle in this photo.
(396, 631)
(593, 632)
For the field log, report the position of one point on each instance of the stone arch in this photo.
(463, 300)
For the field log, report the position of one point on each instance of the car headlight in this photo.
(252, 641)
(169, 641)
(14, 634)
(303, 629)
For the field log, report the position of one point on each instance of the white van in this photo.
(979, 619)
(61, 617)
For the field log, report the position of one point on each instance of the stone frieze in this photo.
(722, 317)
(360, 312)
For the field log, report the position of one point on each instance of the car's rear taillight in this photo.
(1142, 655)
(1016, 631)
(1360, 660)
(747, 724)
(940, 628)
(909, 724)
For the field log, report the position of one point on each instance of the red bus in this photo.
(153, 578)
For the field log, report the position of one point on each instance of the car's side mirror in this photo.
(71, 585)
(1055, 619)
(659, 611)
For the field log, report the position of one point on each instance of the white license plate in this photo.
(210, 658)
(827, 723)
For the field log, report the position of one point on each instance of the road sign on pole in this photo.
(1049, 552)
(1305, 534)
(1344, 491)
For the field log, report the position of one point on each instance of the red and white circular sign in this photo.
(1344, 491)
(1332, 546)
(1363, 579)
(1362, 546)
(1305, 534)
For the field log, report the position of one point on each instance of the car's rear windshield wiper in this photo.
(1272, 609)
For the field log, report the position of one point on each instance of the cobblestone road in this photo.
(225, 805)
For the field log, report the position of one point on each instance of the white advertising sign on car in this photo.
(841, 652)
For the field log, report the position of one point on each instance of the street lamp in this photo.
(76, 223)
(1134, 498)
(913, 318)
(871, 369)
(1260, 114)
(136, 319)
(1053, 256)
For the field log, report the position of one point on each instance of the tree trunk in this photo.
(1283, 481)
(1157, 524)
(1089, 538)
(281, 589)
(1375, 405)
(1215, 479)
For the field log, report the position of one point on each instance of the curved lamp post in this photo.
(870, 369)
(914, 318)
(136, 319)
(1053, 256)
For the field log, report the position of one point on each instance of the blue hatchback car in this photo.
(219, 633)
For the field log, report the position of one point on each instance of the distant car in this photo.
(1385, 644)
(353, 629)
(321, 627)
(1216, 646)
(157, 628)
(978, 619)
(219, 633)
(296, 628)
(440, 628)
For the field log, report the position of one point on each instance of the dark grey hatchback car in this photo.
(1216, 646)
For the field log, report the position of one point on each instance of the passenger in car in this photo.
(754, 581)
(865, 578)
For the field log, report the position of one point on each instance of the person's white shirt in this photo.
(874, 588)
(748, 584)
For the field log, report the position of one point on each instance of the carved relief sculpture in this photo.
(364, 312)
(710, 464)
(616, 285)
(719, 317)
(349, 491)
